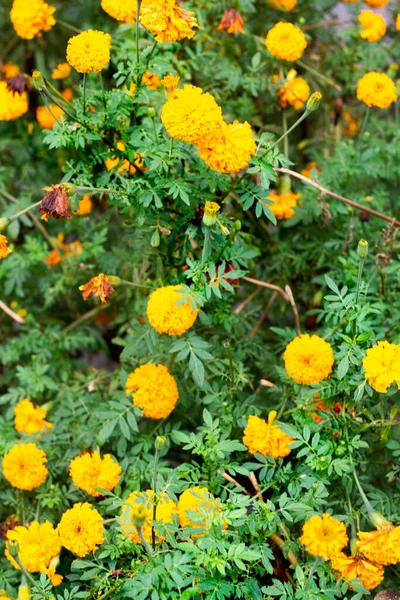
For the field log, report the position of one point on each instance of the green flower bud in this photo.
(151, 112)
(38, 81)
(314, 101)
(13, 548)
(4, 223)
(114, 280)
(139, 514)
(160, 442)
(362, 249)
(237, 225)
(70, 188)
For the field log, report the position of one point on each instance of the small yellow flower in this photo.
(24, 466)
(4, 250)
(85, 206)
(47, 117)
(62, 71)
(12, 106)
(167, 20)
(376, 89)
(295, 91)
(170, 82)
(89, 51)
(308, 359)
(9, 70)
(166, 315)
(266, 438)
(382, 365)
(211, 210)
(324, 536)
(283, 204)
(29, 418)
(124, 166)
(81, 529)
(153, 390)
(374, 26)
(139, 508)
(30, 18)
(286, 41)
(90, 471)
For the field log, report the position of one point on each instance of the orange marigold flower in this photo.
(89, 471)
(12, 106)
(376, 3)
(24, 466)
(151, 80)
(99, 287)
(57, 256)
(68, 94)
(357, 567)
(285, 5)
(382, 365)
(4, 250)
(308, 359)
(351, 127)
(31, 18)
(89, 51)
(283, 204)
(167, 20)
(266, 438)
(295, 91)
(85, 206)
(139, 505)
(47, 117)
(154, 390)
(62, 71)
(309, 168)
(123, 11)
(9, 70)
(170, 82)
(324, 536)
(286, 41)
(198, 508)
(229, 148)
(232, 21)
(55, 203)
(381, 546)
(29, 418)
(374, 26)
(81, 529)
(168, 312)
(376, 89)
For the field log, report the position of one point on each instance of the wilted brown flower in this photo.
(99, 286)
(16, 84)
(10, 523)
(55, 203)
(232, 22)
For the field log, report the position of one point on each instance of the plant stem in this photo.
(171, 147)
(24, 571)
(363, 126)
(227, 347)
(133, 284)
(360, 271)
(146, 545)
(206, 245)
(155, 472)
(285, 137)
(84, 94)
(155, 130)
(91, 189)
(25, 210)
(138, 2)
(103, 96)
(303, 116)
(69, 26)
(367, 503)
(317, 74)
(85, 317)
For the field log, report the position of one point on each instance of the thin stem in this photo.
(138, 2)
(25, 210)
(206, 246)
(24, 571)
(171, 147)
(360, 271)
(285, 138)
(146, 545)
(60, 96)
(363, 126)
(155, 472)
(227, 347)
(367, 503)
(68, 26)
(299, 120)
(11, 313)
(133, 284)
(85, 317)
(84, 94)
(317, 74)
(91, 189)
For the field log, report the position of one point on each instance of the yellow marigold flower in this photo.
(90, 471)
(31, 18)
(9, 69)
(30, 419)
(190, 115)
(167, 20)
(351, 127)
(153, 390)
(81, 529)
(374, 26)
(89, 51)
(62, 71)
(295, 91)
(24, 466)
(285, 5)
(286, 41)
(324, 536)
(198, 500)
(382, 365)
(170, 82)
(4, 250)
(266, 438)
(144, 501)
(283, 204)
(229, 148)
(123, 11)
(99, 287)
(38, 544)
(124, 166)
(398, 22)
(4, 596)
(376, 3)
(48, 117)
(357, 567)
(85, 206)
(376, 89)
(381, 546)
(12, 106)
(151, 80)
(166, 315)
(232, 21)
(308, 359)
(310, 166)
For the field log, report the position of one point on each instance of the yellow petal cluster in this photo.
(283, 204)
(295, 91)
(266, 438)
(229, 148)
(38, 544)
(166, 508)
(376, 89)
(153, 390)
(284, 5)
(357, 567)
(166, 315)
(324, 536)
(286, 41)
(24, 466)
(167, 20)
(31, 18)
(85, 206)
(382, 365)
(62, 71)
(89, 51)
(12, 105)
(398, 22)
(308, 359)
(122, 10)
(29, 418)
(197, 500)
(81, 529)
(4, 250)
(124, 166)
(374, 26)
(381, 546)
(170, 82)
(47, 117)
(90, 471)
(376, 3)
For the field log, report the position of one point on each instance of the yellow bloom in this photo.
(153, 390)
(99, 287)
(198, 500)
(376, 3)
(376, 89)
(9, 70)
(283, 204)
(4, 250)
(123, 11)
(295, 91)
(374, 26)
(286, 41)
(85, 206)
(170, 82)
(357, 567)
(30, 18)
(12, 105)
(24, 466)
(266, 438)
(90, 471)
(232, 21)
(48, 117)
(309, 168)
(81, 529)
(166, 508)
(167, 20)
(62, 71)
(324, 536)
(190, 115)
(166, 315)
(124, 166)
(30, 419)
(229, 148)
(397, 23)
(308, 359)
(285, 5)
(4, 596)
(382, 365)
(381, 546)
(89, 51)
(39, 544)
(211, 209)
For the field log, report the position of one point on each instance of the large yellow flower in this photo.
(295, 91)
(165, 510)
(81, 529)
(229, 148)
(12, 106)
(374, 26)
(190, 115)
(89, 51)
(197, 507)
(31, 17)
(38, 544)
(4, 250)
(122, 10)
(167, 20)
(308, 359)
(286, 41)
(382, 365)
(283, 204)
(381, 546)
(376, 89)
(154, 390)
(324, 536)
(90, 471)
(166, 315)
(266, 438)
(29, 418)
(24, 466)
(357, 567)
(284, 5)
(48, 117)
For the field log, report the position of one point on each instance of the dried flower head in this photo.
(39, 544)
(138, 511)
(24, 466)
(153, 390)
(283, 204)
(31, 18)
(286, 41)
(374, 26)
(266, 438)
(62, 71)
(16, 84)
(55, 203)
(357, 567)
(12, 106)
(89, 471)
(167, 20)
(89, 51)
(99, 287)
(232, 21)
(123, 11)
(229, 148)
(4, 249)
(47, 117)
(8, 524)
(168, 312)
(308, 359)
(81, 529)
(376, 89)
(382, 365)
(324, 536)
(29, 418)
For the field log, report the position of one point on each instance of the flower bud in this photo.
(362, 249)
(70, 188)
(151, 112)
(13, 548)
(37, 80)
(160, 442)
(237, 225)
(224, 230)
(114, 280)
(138, 514)
(4, 223)
(314, 101)
(210, 213)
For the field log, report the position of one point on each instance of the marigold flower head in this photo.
(62, 71)
(29, 418)
(90, 471)
(57, 256)
(12, 106)
(9, 70)
(24, 466)
(357, 567)
(308, 359)
(55, 203)
(166, 315)
(123, 11)
(170, 82)
(295, 91)
(283, 204)
(376, 3)
(81, 529)
(376, 89)
(229, 148)
(309, 168)
(124, 166)
(140, 504)
(197, 500)
(153, 390)
(285, 5)
(4, 250)
(85, 206)
(232, 21)
(190, 115)
(382, 365)
(89, 51)
(211, 209)
(31, 18)
(38, 544)
(266, 438)
(324, 536)
(381, 546)
(99, 287)
(167, 20)
(398, 22)
(151, 80)
(47, 117)
(286, 41)
(374, 26)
